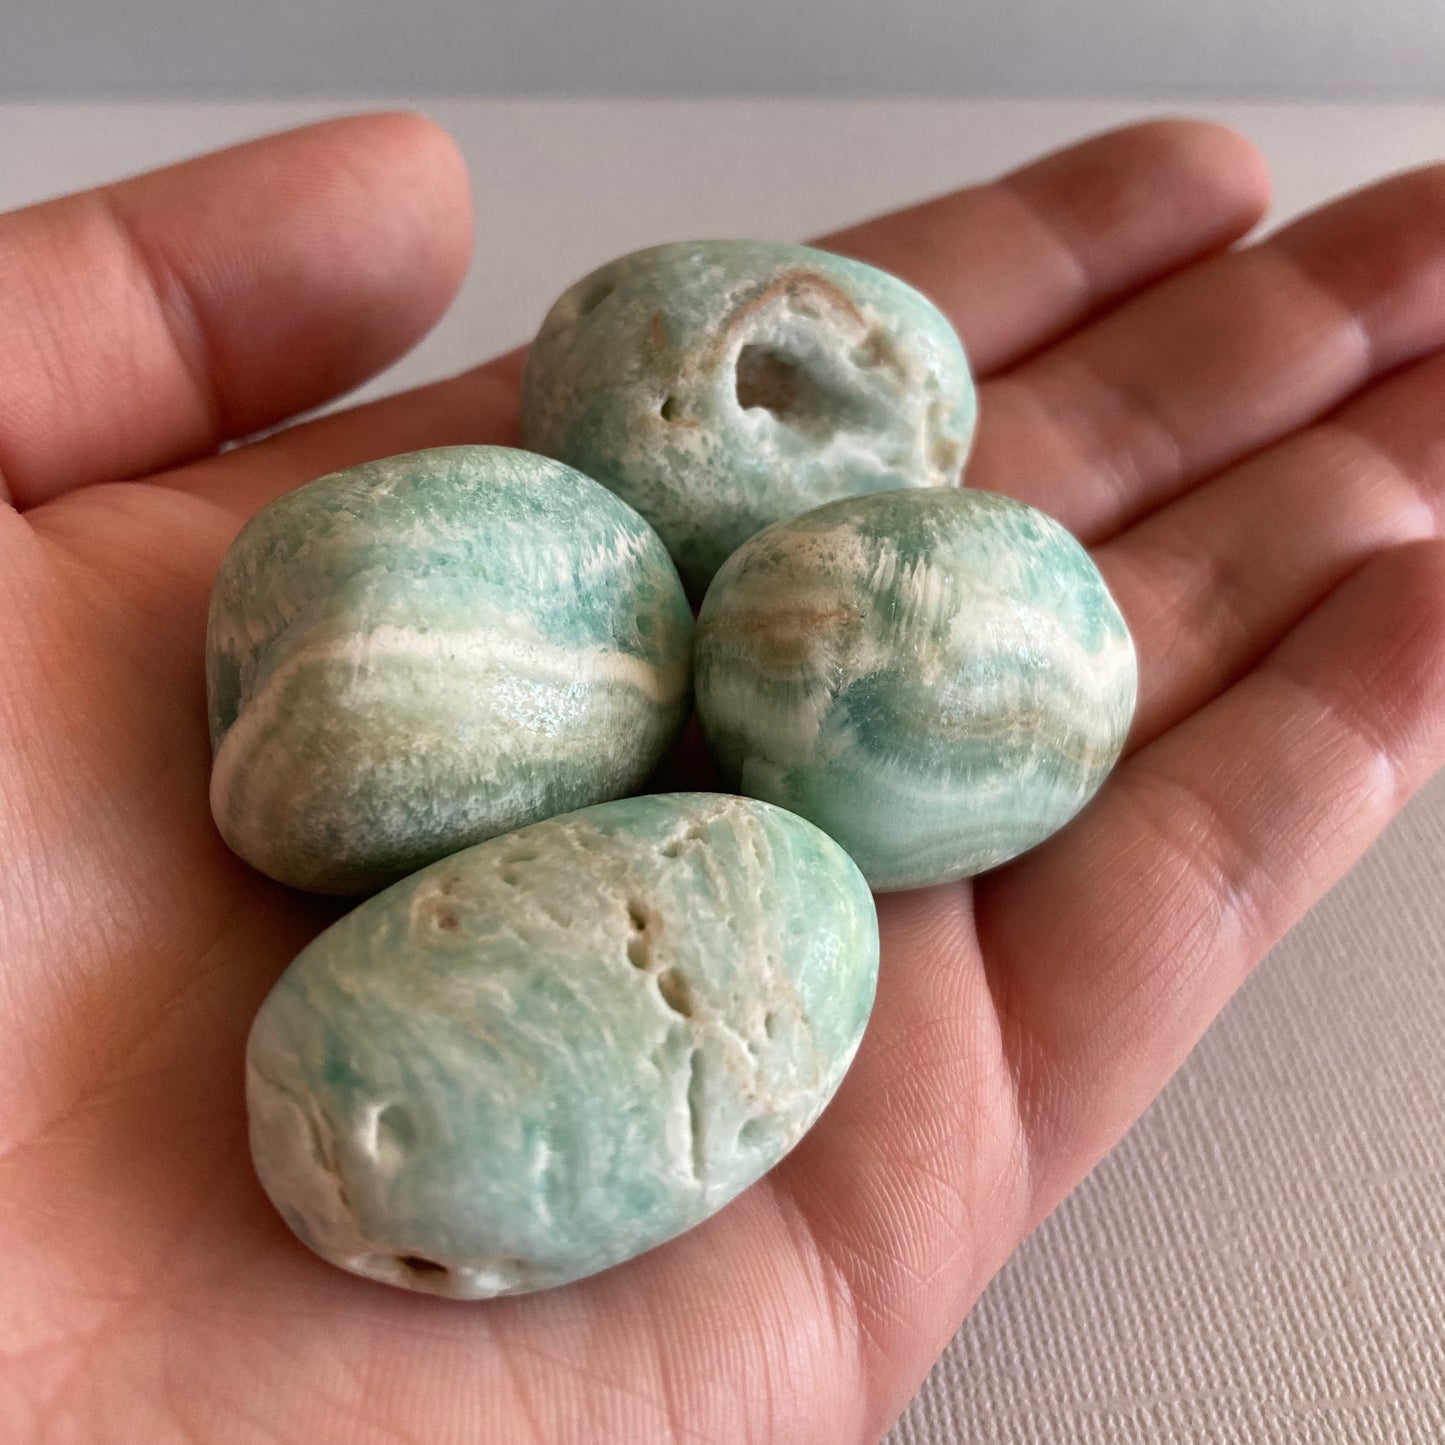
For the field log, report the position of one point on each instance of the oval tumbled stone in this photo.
(722, 385)
(562, 1047)
(939, 680)
(422, 652)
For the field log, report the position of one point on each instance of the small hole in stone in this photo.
(754, 1132)
(510, 877)
(675, 992)
(395, 1130)
(639, 946)
(875, 349)
(594, 296)
(770, 1024)
(668, 410)
(435, 913)
(766, 379)
(945, 455)
(776, 383)
(420, 1264)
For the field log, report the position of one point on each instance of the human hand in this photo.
(1251, 442)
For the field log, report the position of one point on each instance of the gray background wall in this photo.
(1321, 49)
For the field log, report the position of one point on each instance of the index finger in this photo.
(1020, 260)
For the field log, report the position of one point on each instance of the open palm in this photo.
(1252, 441)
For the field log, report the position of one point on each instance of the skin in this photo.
(1248, 437)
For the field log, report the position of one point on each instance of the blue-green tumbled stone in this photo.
(722, 385)
(560, 1048)
(422, 652)
(938, 679)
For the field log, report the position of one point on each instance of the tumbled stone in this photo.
(722, 385)
(939, 680)
(557, 1049)
(422, 652)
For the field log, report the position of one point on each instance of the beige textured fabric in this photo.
(1260, 1260)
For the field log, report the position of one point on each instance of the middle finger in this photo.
(1126, 414)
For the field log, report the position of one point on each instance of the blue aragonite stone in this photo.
(938, 679)
(722, 385)
(419, 653)
(562, 1047)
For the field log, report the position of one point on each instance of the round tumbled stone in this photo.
(939, 680)
(555, 1050)
(722, 385)
(422, 652)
